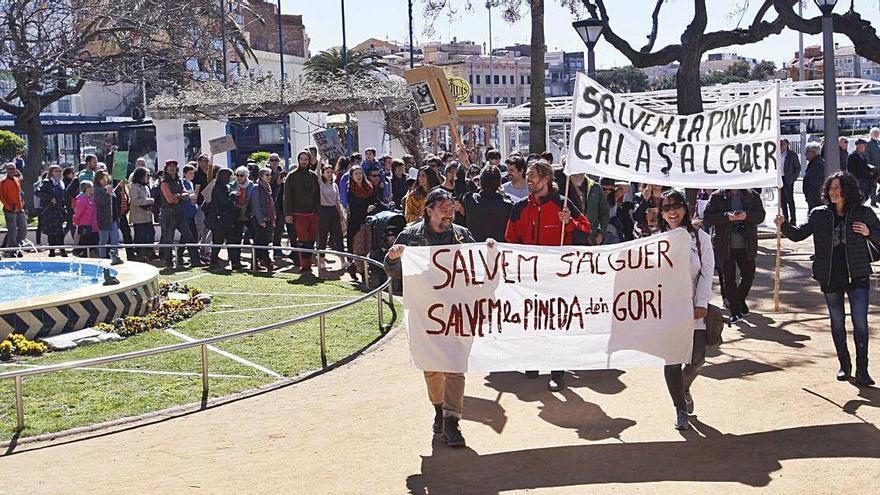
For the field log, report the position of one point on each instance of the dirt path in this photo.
(771, 418)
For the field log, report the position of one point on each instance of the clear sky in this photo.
(631, 19)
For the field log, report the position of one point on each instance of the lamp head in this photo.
(826, 6)
(590, 30)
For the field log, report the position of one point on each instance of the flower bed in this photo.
(17, 345)
(168, 313)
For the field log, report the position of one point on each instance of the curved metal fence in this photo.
(378, 292)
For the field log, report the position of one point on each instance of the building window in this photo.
(64, 105)
(496, 82)
(512, 80)
(480, 101)
(471, 80)
(478, 82)
(504, 81)
(271, 134)
(522, 80)
(529, 81)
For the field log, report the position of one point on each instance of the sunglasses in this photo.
(672, 206)
(274, 160)
(239, 175)
(608, 189)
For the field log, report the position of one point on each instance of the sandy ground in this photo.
(769, 417)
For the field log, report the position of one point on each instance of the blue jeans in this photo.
(858, 308)
(109, 237)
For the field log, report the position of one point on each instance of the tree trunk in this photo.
(687, 80)
(537, 112)
(36, 145)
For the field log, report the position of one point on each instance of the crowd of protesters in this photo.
(451, 199)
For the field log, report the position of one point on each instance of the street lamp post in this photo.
(590, 30)
(832, 154)
(285, 123)
(345, 71)
(411, 49)
(491, 59)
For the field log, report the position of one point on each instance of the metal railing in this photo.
(378, 292)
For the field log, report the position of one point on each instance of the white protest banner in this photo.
(732, 146)
(515, 307)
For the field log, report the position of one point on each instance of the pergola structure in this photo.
(386, 103)
(799, 100)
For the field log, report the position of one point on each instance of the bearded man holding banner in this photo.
(544, 218)
(445, 390)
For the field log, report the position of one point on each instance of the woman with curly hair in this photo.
(844, 234)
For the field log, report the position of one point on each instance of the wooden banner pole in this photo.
(564, 202)
(776, 282)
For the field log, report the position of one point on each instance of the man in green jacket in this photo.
(302, 198)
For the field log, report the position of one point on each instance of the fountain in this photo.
(42, 298)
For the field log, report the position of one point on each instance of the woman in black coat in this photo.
(51, 193)
(844, 233)
(222, 216)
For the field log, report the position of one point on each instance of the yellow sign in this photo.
(460, 89)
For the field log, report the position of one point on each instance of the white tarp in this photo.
(515, 307)
(733, 146)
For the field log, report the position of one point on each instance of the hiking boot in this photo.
(681, 420)
(557, 381)
(116, 261)
(862, 376)
(743, 309)
(451, 433)
(688, 402)
(438, 419)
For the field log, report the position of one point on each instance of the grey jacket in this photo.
(417, 235)
(106, 207)
(141, 201)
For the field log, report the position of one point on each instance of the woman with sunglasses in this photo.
(241, 191)
(329, 216)
(51, 193)
(674, 213)
(262, 211)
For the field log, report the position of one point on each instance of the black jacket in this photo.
(716, 216)
(814, 176)
(223, 210)
(486, 215)
(820, 224)
(858, 166)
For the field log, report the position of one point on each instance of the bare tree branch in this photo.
(858, 30)
(652, 37)
(665, 55)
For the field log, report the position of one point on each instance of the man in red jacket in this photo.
(13, 209)
(539, 220)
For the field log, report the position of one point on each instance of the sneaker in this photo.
(734, 317)
(688, 402)
(532, 375)
(437, 427)
(681, 420)
(451, 433)
(743, 309)
(117, 261)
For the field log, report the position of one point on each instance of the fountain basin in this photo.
(46, 298)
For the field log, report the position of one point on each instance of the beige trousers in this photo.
(446, 389)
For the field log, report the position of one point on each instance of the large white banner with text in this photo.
(512, 307)
(732, 146)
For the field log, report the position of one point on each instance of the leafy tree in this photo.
(739, 69)
(50, 49)
(330, 64)
(763, 70)
(10, 144)
(623, 79)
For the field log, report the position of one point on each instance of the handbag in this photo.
(714, 318)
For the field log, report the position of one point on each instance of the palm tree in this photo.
(329, 64)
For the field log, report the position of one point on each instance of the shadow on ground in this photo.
(707, 455)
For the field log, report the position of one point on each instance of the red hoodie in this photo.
(535, 221)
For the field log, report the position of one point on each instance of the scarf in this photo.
(266, 190)
(360, 191)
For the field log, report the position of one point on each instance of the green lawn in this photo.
(68, 399)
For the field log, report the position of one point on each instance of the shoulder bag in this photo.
(714, 318)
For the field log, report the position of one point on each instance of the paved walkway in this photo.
(770, 418)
